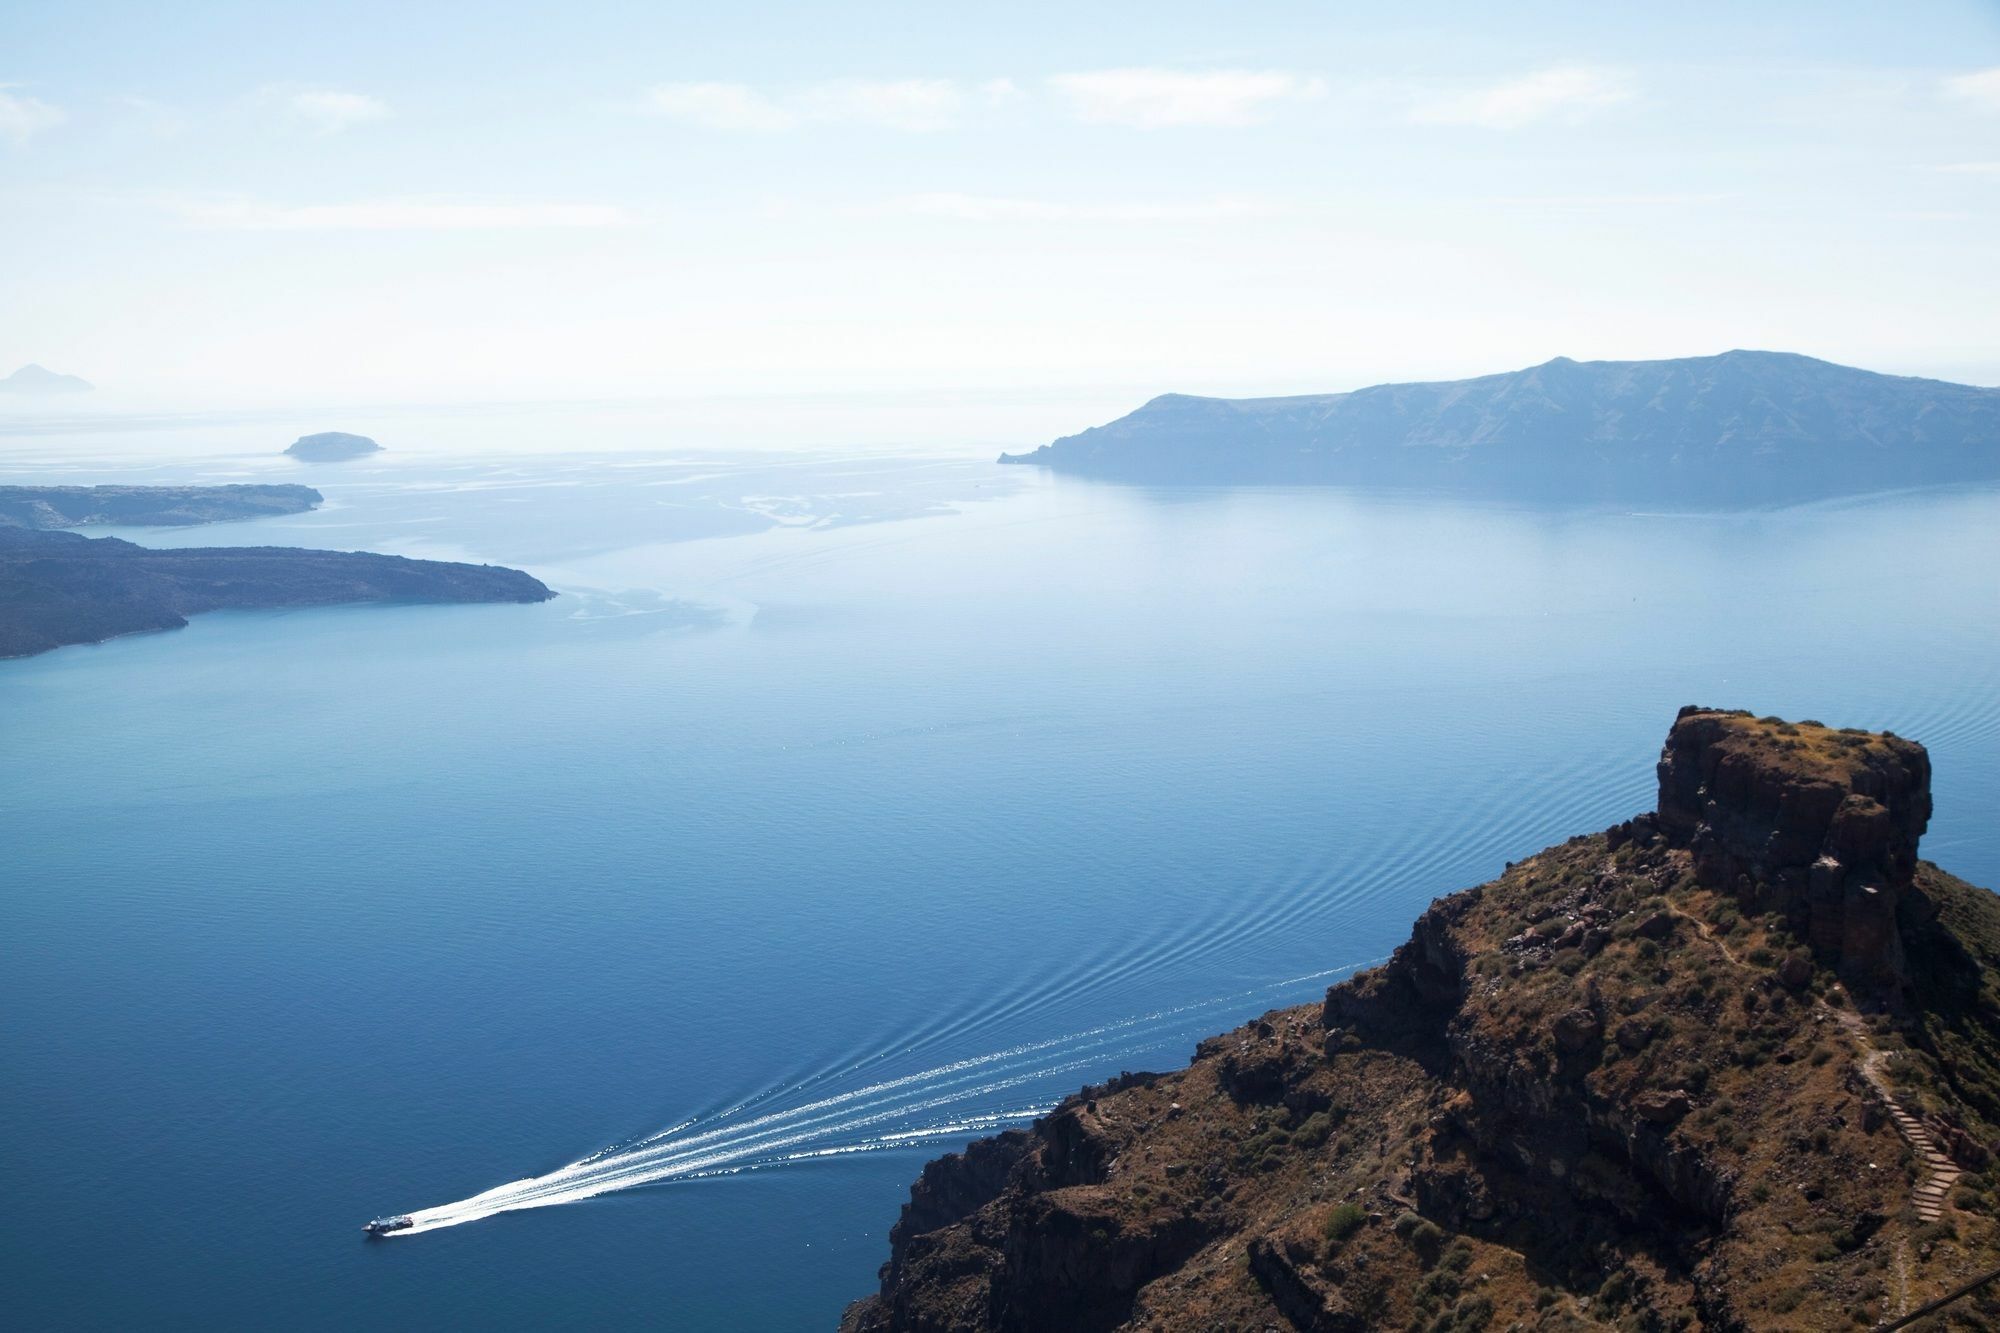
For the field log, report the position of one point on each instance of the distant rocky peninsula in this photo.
(60, 588)
(1731, 1064)
(1741, 428)
(331, 446)
(148, 506)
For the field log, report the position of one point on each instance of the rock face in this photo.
(60, 588)
(1744, 427)
(1507, 1127)
(148, 506)
(1819, 824)
(331, 446)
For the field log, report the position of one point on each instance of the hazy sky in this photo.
(441, 201)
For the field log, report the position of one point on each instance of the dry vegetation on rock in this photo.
(1625, 1085)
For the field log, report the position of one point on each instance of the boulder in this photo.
(1577, 1029)
(1662, 1107)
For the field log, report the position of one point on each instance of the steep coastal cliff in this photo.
(1732, 1064)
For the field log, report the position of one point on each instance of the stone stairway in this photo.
(1939, 1175)
(1936, 1171)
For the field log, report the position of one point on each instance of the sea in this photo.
(854, 798)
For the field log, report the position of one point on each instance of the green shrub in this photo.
(1344, 1221)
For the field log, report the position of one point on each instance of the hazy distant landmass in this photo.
(147, 506)
(331, 446)
(59, 588)
(40, 379)
(1744, 427)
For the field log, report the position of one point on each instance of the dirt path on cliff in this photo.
(1937, 1173)
(1707, 932)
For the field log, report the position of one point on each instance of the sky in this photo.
(252, 202)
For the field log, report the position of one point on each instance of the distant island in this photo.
(148, 506)
(61, 588)
(1739, 428)
(330, 446)
(38, 379)
(1731, 1064)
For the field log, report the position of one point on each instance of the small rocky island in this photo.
(148, 506)
(331, 446)
(61, 588)
(1731, 1064)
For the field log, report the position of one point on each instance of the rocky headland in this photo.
(1740, 428)
(61, 588)
(148, 506)
(331, 446)
(1731, 1064)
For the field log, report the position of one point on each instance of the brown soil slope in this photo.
(1659, 1077)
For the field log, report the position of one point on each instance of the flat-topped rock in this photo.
(1820, 823)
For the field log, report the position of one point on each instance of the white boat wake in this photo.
(967, 1096)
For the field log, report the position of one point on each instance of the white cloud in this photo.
(899, 104)
(23, 117)
(330, 112)
(1981, 88)
(1569, 92)
(393, 215)
(1969, 168)
(988, 208)
(719, 106)
(1158, 98)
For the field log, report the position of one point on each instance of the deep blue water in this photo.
(825, 773)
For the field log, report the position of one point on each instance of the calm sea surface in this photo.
(845, 805)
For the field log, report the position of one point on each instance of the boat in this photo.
(382, 1226)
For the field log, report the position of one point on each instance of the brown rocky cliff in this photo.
(1609, 1088)
(1819, 824)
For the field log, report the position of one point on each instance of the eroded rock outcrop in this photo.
(1610, 1088)
(1819, 824)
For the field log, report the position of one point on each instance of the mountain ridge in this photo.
(1738, 427)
